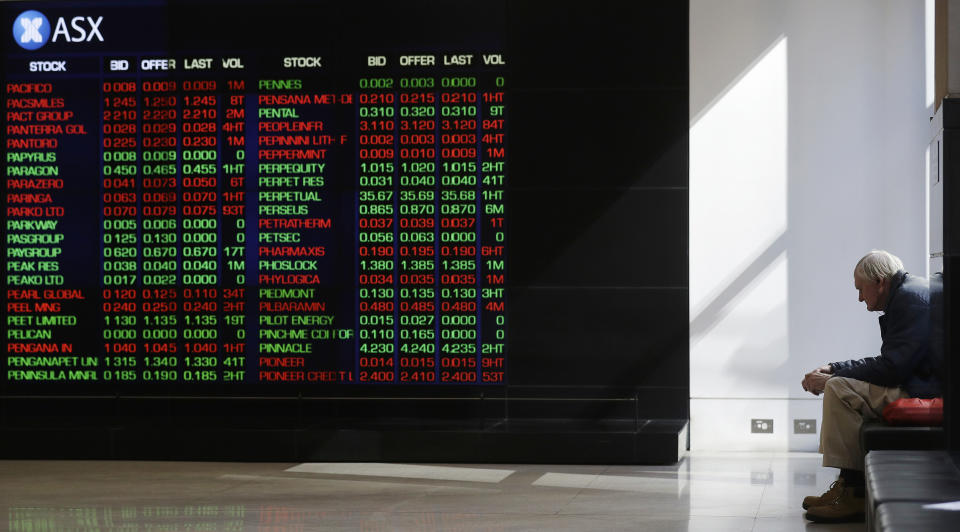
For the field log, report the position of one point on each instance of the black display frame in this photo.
(620, 75)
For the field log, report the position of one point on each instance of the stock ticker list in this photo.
(196, 220)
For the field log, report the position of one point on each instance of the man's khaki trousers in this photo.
(847, 403)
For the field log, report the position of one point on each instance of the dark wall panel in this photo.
(599, 237)
(595, 138)
(616, 337)
(605, 44)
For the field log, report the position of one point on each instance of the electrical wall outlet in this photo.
(761, 426)
(804, 426)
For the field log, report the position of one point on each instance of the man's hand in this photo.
(816, 380)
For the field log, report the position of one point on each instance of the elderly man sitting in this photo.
(857, 390)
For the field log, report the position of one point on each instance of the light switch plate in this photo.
(761, 426)
(804, 426)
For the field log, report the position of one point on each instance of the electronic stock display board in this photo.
(212, 197)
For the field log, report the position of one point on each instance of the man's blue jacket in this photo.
(905, 357)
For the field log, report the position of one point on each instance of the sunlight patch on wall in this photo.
(738, 224)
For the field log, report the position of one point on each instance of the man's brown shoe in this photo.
(847, 508)
(829, 496)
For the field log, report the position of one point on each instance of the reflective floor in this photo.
(709, 492)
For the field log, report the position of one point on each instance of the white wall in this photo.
(807, 136)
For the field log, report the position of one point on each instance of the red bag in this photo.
(913, 411)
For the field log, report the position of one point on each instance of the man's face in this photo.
(873, 293)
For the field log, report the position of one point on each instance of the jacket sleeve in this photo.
(904, 344)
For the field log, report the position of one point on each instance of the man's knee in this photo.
(833, 386)
(845, 393)
(838, 389)
(838, 384)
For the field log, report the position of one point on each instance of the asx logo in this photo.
(31, 30)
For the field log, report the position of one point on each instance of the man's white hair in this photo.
(878, 265)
